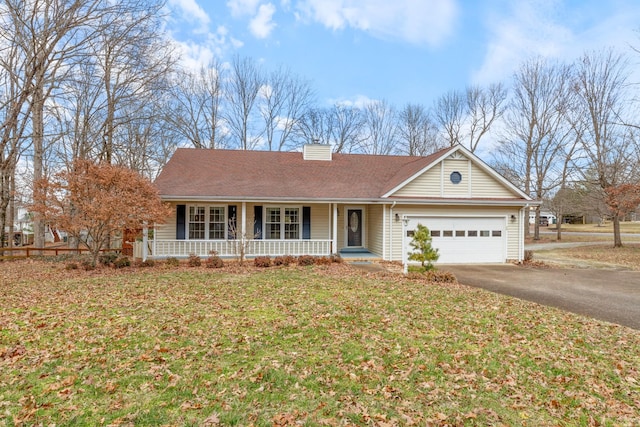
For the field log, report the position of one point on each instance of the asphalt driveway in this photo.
(610, 295)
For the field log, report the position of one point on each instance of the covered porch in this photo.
(267, 229)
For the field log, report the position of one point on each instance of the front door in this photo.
(354, 227)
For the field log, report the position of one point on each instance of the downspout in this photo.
(524, 219)
(391, 231)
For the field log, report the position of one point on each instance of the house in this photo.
(316, 202)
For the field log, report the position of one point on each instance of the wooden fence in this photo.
(29, 251)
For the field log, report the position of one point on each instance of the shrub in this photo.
(147, 263)
(262, 261)
(107, 258)
(337, 258)
(88, 265)
(528, 255)
(172, 261)
(122, 262)
(71, 266)
(323, 260)
(437, 276)
(304, 260)
(214, 261)
(194, 260)
(284, 260)
(421, 248)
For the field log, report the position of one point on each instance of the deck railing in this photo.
(230, 248)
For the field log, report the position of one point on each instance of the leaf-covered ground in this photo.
(298, 346)
(605, 256)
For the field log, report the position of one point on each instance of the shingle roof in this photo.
(201, 173)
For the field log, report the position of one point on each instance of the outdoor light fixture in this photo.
(397, 217)
(513, 218)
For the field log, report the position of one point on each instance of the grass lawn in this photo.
(625, 227)
(298, 346)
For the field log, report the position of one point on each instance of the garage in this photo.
(464, 240)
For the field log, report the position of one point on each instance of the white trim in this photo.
(207, 207)
(282, 219)
(363, 226)
(473, 158)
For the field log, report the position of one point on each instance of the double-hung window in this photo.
(217, 223)
(282, 223)
(207, 222)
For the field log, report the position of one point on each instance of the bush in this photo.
(262, 261)
(147, 263)
(304, 260)
(437, 276)
(284, 260)
(88, 265)
(323, 260)
(172, 261)
(71, 266)
(194, 260)
(214, 261)
(122, 262)
(528, 255)
(107, 258)
(337, 258)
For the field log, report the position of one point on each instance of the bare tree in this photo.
(315, 126)
(380, 126)
(242, 92)
(285, 98)
(347, 126)
(449, 113)
(417, 131)
(196, 107)
(537, 126)
(601, 86)
(484, 107)
(133, 62)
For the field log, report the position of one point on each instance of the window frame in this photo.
(207, 222)
(282, 224)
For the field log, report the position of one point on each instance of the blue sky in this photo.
(400, 50)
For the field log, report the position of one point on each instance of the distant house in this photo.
(318, 203)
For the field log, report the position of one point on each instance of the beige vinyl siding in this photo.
(374, 229)
(167, 231)
(512, 250)
(426, 185)
(485, 185)
(463, 188)
(436, 182)
(320, 222)
(341, 228)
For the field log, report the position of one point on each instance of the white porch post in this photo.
(405, 261)
(243, 216)
(145, 242)
(334, 231)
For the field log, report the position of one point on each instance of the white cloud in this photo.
(542, 28)
(415, 21)
(192, 12)
(262, 24)
(243, 7)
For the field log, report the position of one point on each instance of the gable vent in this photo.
(316, 152)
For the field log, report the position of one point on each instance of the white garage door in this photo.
(465, 240)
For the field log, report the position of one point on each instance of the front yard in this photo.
(321, 345)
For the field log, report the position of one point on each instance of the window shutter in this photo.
(181, 213)
(232, 221)
(306, 222)
(257, 222)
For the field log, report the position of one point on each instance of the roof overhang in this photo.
(381, 201)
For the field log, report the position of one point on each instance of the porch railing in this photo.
(230, 248)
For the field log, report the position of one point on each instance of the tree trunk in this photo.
(559, 227)
(617, 239)
(536, 226)
(38, 158)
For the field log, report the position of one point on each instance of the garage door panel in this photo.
(465, 239)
